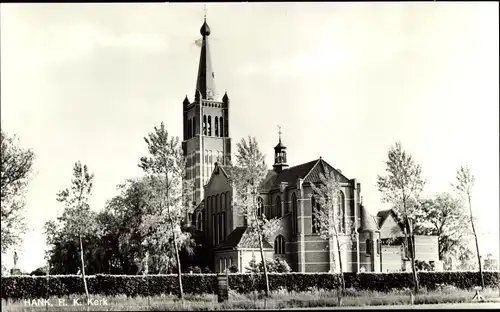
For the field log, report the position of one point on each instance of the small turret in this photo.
(279, 155)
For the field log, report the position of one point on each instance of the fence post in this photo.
(222, 291)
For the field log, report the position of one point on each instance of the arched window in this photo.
(205, 124)
(221, 120)
(216, 124)
(279, 245)
(193, 124)
(341, 212)
(278, 207)
(294, 213)
(209, 128)
(260, 206)
(189, 128)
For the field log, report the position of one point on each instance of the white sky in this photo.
(344, 80)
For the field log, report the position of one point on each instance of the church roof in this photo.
(309, 171)
(368, 222)
(382, 215)
(239, 238)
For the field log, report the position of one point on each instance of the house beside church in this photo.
(284, 194)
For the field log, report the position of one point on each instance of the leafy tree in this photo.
(253, 266)
(77, 221)
(444, 217)
(172, 203)
(276, 266)
(490, 263)
(249, 172)
(330, 222)
(402, 187)
(464, 185)
(41, 271)
(16, 169)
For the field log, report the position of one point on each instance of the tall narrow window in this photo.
(205, 124)
(214, 230)
(340, 212)
(216, 126)
(205, 165)
(278, 207)
(189, 128)
(294, 213)
(279, 245)
(199, 222)
(219, 227)
(314, 206)
(209, 127)
(223, 227)
(221, 120)
(368, 246)
(260, 206)
(193, 124)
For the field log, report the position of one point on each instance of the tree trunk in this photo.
(263, 263)
(83, 270)
(179, 270)
(340, 266)
(411, 248)
(477, 245)
(342, 280)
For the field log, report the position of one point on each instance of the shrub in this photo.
(21, 287)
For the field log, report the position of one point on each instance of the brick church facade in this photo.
(285, 194)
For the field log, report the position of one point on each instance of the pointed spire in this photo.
(205, 82)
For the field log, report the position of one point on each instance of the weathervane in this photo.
(205, 12)
(279, 132)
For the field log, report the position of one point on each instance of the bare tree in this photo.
(16, 169)
(249, 172)
(464, 185)
(330, 220)
(402, 187)
(166, 165)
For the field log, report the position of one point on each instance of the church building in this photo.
(284, 194)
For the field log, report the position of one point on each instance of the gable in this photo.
(218, 181)
(390, 227)
(320, 167)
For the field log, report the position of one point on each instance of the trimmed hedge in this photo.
(21, 287)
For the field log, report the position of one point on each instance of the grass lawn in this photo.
(279, 300)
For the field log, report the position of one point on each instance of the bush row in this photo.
(22, 287)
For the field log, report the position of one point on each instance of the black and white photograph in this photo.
(249, 156)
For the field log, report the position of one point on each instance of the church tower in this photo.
(206, 123)
(279, 156)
